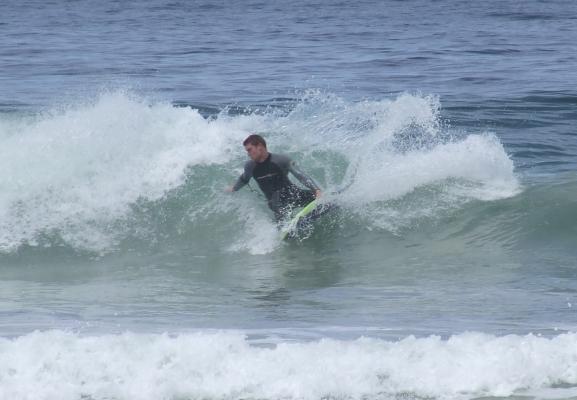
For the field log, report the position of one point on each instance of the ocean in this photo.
(444, 131)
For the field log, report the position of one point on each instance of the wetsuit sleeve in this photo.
(304, 179)
(245, 177)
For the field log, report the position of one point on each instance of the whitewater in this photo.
(225, 365)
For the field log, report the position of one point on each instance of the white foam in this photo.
(78, 170)
(64, 366)
(261, 235)
(476, 159)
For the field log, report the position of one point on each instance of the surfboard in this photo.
(304, 218)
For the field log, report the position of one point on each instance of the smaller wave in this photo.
(57, 365)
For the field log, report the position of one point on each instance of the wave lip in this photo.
(60, 365)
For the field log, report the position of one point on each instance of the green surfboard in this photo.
(292, 225)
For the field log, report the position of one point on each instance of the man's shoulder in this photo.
(280, 159)
(248, 169)
(249, 164)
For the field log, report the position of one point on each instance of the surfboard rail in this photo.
(291, 226)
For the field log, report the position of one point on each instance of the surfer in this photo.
(270, 171)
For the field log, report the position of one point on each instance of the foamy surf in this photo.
(77, 171)
(57, 365)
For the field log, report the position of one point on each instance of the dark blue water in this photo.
(222, 53)
(449, 271)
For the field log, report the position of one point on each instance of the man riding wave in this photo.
(270, 171)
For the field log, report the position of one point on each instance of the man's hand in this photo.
(229, 189)
(318, 194)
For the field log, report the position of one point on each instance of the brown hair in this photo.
(255, 140)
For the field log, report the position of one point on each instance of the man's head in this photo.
(255, 147)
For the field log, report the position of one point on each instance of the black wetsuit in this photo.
(272, 178)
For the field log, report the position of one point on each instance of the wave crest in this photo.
(93, 175)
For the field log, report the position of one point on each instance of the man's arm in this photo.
(244, 178)
(304, 179)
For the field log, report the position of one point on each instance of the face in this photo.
(256, 152)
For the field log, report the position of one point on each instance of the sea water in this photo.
(446, 133)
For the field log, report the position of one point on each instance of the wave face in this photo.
(59, 365)
(120, 171)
